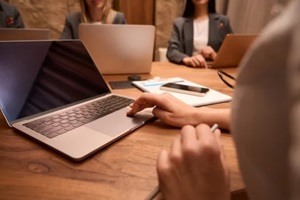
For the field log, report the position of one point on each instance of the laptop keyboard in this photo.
(59, 123)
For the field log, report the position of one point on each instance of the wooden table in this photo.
(124, 170)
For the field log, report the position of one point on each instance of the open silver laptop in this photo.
(24, 34)
(119, 49)
(53, 92)
(232, 50)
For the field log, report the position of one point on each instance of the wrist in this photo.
(212, 116)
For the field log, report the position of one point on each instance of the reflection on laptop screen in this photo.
(37, 75)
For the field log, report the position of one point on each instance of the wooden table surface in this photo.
(124, 170)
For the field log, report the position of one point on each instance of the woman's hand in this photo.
(194, 167)
(208, 53)
(196, 61)
(172, 111)
(168, 109)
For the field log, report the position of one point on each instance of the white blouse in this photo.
(201, 29)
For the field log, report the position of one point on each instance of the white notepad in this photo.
(212, 97)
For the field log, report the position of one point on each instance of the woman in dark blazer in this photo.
(198, 34)
(10, 16)
(91, 12)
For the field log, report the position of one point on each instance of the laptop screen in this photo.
(38, 76)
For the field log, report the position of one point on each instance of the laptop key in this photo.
(51, 130)
(52, 126)
(52, 135)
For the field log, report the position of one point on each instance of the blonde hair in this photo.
(108, 13)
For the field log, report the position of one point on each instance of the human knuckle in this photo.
(169, 119)
(164, 170)
(190, 151)
(210, 150)
(176, 158)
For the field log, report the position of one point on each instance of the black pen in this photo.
(156, 189)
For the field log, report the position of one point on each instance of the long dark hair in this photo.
(190, 8)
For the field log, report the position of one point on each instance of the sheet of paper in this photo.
(212, 97)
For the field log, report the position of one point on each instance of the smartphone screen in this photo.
(185, 89)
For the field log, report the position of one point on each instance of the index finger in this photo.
(188, 134)
(146, 100)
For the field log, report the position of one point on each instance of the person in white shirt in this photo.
(264, 121)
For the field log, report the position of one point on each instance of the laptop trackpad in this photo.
(118, 123)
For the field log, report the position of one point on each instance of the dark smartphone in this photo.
(185, 89)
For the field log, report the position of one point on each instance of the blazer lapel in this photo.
(213, 28)
(188, 35)
(2, 19)
(2, 16)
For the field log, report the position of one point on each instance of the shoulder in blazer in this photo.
(74, 19)
(10, 16)
(181, 42)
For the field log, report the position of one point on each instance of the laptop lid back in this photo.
(232, 50)
(24, 34)
(119, 49)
